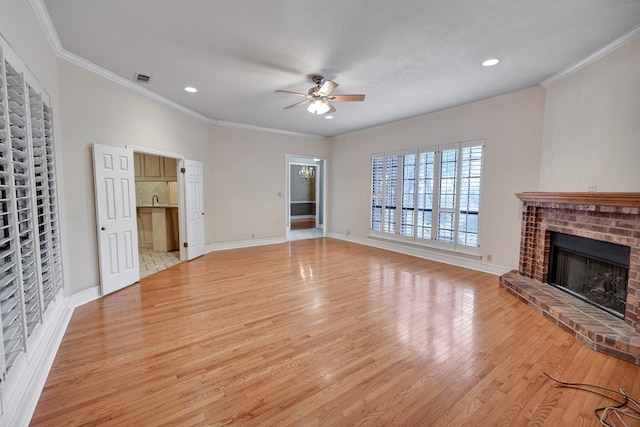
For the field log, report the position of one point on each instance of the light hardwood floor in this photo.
(320, 333)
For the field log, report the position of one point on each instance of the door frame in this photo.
(321, 182)
(181, 200)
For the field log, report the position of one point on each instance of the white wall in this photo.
(246, 191)
(20, 27)
(96, 110)
(592, 126)
(512, 128)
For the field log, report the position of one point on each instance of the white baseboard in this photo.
(85, 296)
(427, 253)
(245, 244)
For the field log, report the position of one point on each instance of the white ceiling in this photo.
(409, 57)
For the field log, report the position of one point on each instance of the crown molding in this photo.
(115, 78)
(42, 14)
(606, 49)
(264, 129)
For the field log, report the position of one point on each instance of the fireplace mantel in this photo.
(585, 198)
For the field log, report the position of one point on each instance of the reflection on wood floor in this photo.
(302, 223)
(320, 332)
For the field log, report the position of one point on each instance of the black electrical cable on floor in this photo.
(599, 412)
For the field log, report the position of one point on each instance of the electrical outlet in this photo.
(253, 235)
(489, 257)
(592, 188)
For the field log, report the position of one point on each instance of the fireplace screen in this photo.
(592, 270)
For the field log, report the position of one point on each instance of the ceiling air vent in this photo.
(141, 78)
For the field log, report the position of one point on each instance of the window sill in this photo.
(429, 245)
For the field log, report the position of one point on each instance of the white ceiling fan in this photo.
(319, 96)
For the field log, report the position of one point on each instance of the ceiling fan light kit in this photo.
(319, 107)
(319, 96)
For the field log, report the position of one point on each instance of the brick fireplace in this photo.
(607, 217)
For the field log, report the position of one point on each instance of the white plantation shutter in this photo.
(24, 186)
(448, 195)
(389, 225)
(377, 183)
(11, 291)
(469, 206)
(425, 194)
(30, 253)
(43, 235)
(52, 200)
(408, 198)
(430, 196)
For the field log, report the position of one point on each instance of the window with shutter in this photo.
(429, 197)
(30, 253)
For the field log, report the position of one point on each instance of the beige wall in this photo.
(512, 128)
(592, 126)
(96, 110)
(246, 192)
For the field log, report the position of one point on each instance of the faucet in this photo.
(155, 199)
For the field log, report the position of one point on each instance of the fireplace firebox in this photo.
(595, 271)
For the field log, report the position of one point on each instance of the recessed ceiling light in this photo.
(490, 62)
(191, 89)
(328, 117)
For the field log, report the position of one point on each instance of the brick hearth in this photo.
(610, 217)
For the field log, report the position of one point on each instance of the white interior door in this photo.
(116, 217)
(194, 201)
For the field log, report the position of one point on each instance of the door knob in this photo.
(103, 228)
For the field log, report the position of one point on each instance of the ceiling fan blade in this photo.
(292, 93)
(331, 110)
(327, 87)
(346, 98)
(298, 104)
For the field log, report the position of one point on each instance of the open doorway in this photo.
(305, 197)
(157, 212)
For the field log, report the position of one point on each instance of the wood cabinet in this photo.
(158, 228)
(170, 169)
(145, 228)
(149, 167)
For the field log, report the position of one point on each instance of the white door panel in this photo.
(194, 198)
(116, 217)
